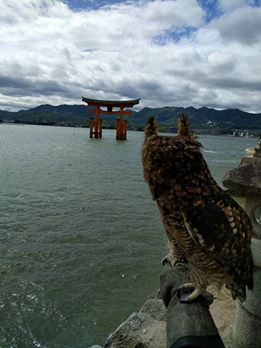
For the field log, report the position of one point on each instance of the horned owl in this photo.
(203, 223)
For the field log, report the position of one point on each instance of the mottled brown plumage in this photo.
(203, 223)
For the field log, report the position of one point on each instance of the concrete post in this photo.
(246, 180)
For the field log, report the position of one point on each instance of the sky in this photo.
(166, 52)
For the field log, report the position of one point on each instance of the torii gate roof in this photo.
(116, 103)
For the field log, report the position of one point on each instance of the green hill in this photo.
(202, 119)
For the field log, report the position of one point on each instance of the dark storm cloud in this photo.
(131, 88)
(21, 86)
(230, 83)
(219, 79)
(7, 82)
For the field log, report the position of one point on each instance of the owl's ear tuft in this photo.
(183, 125)
(151, 121)
(150, 127)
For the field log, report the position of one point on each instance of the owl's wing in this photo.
(223, 230)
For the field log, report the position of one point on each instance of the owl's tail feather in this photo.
(246, 281)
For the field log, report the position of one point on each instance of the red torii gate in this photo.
(95, 124)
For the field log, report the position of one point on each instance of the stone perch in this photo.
(180, 325)
(245, 180)
(143, 329)
(188, 324)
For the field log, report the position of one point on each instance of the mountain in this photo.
(203, 119)
(75, 115)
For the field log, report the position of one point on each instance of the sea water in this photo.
(81, 238)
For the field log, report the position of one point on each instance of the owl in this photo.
(204, 225)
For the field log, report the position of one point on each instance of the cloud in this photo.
(157, 50)
(242, 25)
(231, 5)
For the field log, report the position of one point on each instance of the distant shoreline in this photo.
(252, 133)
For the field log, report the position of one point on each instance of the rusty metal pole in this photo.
(246, 180)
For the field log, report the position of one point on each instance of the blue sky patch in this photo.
(175, 35)
(211, 9)
(91, 4)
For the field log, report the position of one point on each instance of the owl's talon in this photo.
(188, 292)
(170, 259)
